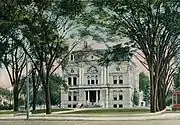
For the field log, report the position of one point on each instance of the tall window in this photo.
(114, 79)
(86, 95)
(69, 81)
(98, 94)
(75, 95)
(120, 97)
(69, 96)
(96, 79)
(88, 78)
(75, 98)
(92, 79)
(75, 81)
(115, 95)
(121, 79)
(120, 94)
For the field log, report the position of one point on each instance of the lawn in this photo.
(6, 112)
(52, 110)
(110, 111)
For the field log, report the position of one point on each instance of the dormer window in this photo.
(72, 57)
(72, 71)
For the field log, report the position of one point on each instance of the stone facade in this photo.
(93, 85)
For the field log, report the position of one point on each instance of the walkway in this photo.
(165, 116)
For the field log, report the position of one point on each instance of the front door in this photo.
(92, 96)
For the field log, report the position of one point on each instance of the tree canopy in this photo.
(151, 26)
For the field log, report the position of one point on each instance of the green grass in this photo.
(6, 112)
(52, 110)
(111, 111)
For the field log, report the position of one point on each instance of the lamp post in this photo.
(27, 91)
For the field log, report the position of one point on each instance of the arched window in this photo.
(114, 79)
(88, 79)
(69, 96)
(75, 81)
(120, 79)
(115, 95)
(69, 81)
(120, 97)
(92, 79)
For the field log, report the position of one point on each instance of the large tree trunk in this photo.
(161, 96)
(152, 91)
(16, 98)
(34, 91)
(47, 98)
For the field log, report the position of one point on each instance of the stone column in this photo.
(101, 79)
(97, 96)
(88, 96)
(107, 98)
(80, 76)
(84, 97)
(107, 75)
(117, 79)
(105, 79)
(72, 81)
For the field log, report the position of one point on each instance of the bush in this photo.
(6, 107)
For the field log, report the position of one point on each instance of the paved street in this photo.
(151, 119)
(151, 122)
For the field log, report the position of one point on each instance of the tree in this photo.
(41, 29)
(151, 26)
(45, 34)
(35, 82)
(14, 62)
(56, 84)
(144, 86)
(13, 58)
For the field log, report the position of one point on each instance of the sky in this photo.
(4, 79)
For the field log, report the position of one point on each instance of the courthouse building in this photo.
(94, 85)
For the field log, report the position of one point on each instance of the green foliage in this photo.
(56, 84)
(135, 98)
(6, 107)
(21, 102)
(176, 79)
(144, 86)
(4, 92)
(143, 81)
(116, 54)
